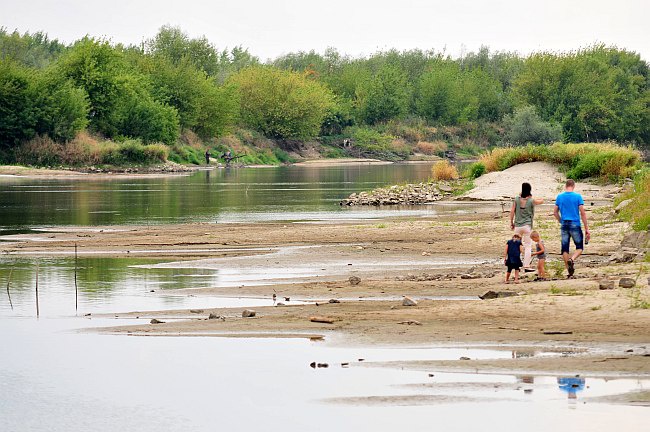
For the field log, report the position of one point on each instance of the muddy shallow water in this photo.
(56, 380)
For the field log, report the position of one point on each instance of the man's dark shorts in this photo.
(571, 231)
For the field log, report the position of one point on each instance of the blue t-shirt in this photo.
(568, 203)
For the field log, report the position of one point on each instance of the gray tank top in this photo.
(524, 215)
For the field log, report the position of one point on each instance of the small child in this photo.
(540, 253)
(512, 257)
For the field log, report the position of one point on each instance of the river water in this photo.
(55, 378)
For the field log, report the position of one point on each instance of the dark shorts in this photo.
(571, 230)
(513, 266)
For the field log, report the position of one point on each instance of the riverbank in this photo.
(168, 168)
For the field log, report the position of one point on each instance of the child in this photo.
(512, 257)
(540, 253)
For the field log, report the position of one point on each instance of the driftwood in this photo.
(321, 319)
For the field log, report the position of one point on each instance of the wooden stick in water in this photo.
(9, 295)
(38, 312)
(76, 292)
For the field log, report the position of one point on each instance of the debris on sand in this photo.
(321, 319)
(408, 301)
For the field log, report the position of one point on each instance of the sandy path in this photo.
(545, 179)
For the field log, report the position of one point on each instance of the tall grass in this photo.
(607, 161)
(86, 150)
(638, 210)
(443, 170)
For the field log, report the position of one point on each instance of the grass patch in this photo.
(606, 161)
(638, 210)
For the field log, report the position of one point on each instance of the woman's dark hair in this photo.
(525, 190)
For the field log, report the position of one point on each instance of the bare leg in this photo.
(507, 277)
(516, 276)
(565, 257)
(576, 254)
(540, 268)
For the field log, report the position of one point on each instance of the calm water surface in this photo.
(222, 195)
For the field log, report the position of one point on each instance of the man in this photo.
(569, 210)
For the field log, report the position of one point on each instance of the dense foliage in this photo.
(391, 104)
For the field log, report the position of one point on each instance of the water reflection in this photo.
(261, 193)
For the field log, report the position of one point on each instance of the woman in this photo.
(522, 214)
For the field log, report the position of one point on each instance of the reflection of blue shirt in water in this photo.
(571, 384)
(514, 252)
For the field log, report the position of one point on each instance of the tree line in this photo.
(173, 83)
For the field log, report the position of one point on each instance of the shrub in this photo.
(431, 148)
(475, 170)
(526, 126)
(443, 170)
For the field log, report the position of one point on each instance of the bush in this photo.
(526, 126)
(476, 170)
(607, 161)
(431, 148)
(443, 170)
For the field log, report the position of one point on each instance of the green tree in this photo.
(17, 111)
(384, 97)
(282, 104)
(120, 97)
(61, 108)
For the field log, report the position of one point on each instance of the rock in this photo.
(333, 301)
(155, 321)
(248, 313)
(465, 358)
(636, 240)
(215, 316)
(606, 284)
(625, 255)
(408, 301)
(322, 365)
(196, 311)
(470, 276)
(622, 205)
(502, 294)
(426, 254)
(488, 295)
(626, 282)
(445, 188)
(354, 280)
